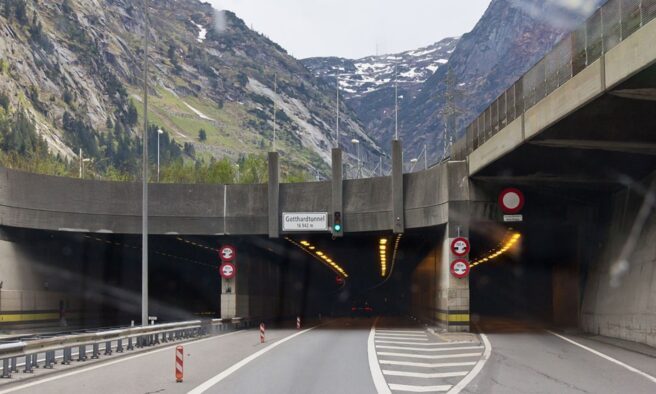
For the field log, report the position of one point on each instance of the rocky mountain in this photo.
(508, 40)
(76, 68)
(368, 84)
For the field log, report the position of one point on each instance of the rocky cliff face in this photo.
(368, 84)
(76, 67)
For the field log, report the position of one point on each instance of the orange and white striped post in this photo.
(178, 363)
(298, 322)
(262, 328)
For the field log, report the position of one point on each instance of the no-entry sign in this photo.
(460, 246)
(227, 270)
(227, 253)
(511, 200)
(460, 268)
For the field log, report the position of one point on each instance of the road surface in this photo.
(351, 356)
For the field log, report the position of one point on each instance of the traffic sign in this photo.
(511, 200)
(460, 246)
(227, 270)
(460, 268)
(227, 253)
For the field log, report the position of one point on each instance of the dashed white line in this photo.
(612, 360)
(426, 365)
(424, 375)
(403, 338)
(437, 349)
(428, 356)
(419, 389)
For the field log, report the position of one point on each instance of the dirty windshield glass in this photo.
(310, 196)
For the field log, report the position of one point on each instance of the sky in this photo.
(356, 28)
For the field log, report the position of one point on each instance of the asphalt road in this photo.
(347, 356)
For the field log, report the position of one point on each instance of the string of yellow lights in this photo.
(510, 240)
(319, 255)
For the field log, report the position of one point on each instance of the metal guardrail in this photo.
(608, 26)
(25, 353)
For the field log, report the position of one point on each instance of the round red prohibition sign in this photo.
(227, 270)
(460, 246)
(460, 268)
(511, 200)
(227, 253)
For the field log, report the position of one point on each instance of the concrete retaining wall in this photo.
(624, 306)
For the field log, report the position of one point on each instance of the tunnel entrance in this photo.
(535, 281)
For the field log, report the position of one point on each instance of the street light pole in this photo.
(275, 89)
(80, 156)
(425, 158)
(356, 142)
(337, 111)
(159, 132)
(396, 106)
(144, 181)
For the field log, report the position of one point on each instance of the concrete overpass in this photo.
(574, 134)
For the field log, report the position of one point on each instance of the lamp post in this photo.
(356, 142)
(82, 161)
(144, 179)
(159, 132)
(414, 163)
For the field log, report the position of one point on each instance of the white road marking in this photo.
(105, 364)
(424, 344)
(424, 375)
(479, 366)
(403, 338)
(429, 356)
(218, 378)
(402, 331)
(400, 335)
(374, 368)
(437, 349)
(427, 365)
(602, 355)
(419, 389)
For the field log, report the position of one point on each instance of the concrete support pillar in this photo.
(454, 294)
(398, 220)
(274, 195)
(337, 187)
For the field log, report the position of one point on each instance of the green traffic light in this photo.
(337, 228)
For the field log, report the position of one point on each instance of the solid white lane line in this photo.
(437, 349)
(424, 375)
(479, 366)
(106, 364)
(602, 355)
(395, 334)
(424, 344)
(402, 331)
(427, 365)
(429, 356)
(403, 338)
(374, 368)
(419, 389)
(218, 378)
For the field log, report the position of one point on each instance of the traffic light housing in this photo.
(337, 223)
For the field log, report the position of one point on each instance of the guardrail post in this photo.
(67, 356)
(130, 344)
(35, 360)
(6, 371)
(95, 352)
(28, 364)
(108, 348)
(14, 364)
(82, 353)
(50, 359)
(119, 345)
